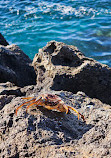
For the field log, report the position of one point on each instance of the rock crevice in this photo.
(68, 69)
(79, 81)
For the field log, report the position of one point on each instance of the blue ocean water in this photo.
(83, 23)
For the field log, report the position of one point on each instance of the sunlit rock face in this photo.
(64, 71)
(62, 67)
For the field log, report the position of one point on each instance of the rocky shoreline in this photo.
(81, 82)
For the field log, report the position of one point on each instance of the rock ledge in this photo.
(81, 82)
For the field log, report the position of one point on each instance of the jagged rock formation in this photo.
(45, 133)
(3, 40)
(62, 70)
(15, 66)
(62, 67)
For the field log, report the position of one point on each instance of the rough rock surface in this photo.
(62, 67)
(15, 66)
(43, 133)
(3, 40)
(10, 89)
(62, 70)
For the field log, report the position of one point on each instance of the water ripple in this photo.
(84, 23)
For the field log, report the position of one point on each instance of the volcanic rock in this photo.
(10, 89)
(44, 133)
(3, 40)
(62, 67)
(79, 81)
(15, 66)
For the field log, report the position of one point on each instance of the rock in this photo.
(62, 70)
(4, 99)
(62, 67)
(44, 133)
(16, 67)
(3, 40)
(9, 89)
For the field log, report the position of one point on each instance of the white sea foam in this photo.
(69, 10)
(37, 22)
(56, 9)
(17, 12)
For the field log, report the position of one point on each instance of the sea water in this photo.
(84, 23)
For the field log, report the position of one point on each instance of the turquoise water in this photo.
(83, 23)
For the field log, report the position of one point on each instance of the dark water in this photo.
(83, 23)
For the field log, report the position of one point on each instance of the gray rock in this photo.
(3, 40)
(10, 89)
(4, 99)
(44, 133)
(15, 66)
(62, 67)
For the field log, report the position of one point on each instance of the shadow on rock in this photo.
(54, 127)
(66, 68)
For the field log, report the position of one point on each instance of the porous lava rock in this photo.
(10, 89)
(63, 67)
(62, 70)
(43, 133)
(15, 66)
